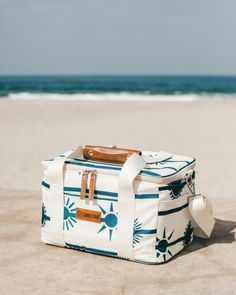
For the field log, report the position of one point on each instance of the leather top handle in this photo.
(108, 154)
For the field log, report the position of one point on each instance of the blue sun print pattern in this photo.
(69, 215)
(187, 238)
(44, 217)
(139, 232)
(164, 244)
(109, 220)
(176, 188)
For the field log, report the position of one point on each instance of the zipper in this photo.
(88, 176)
(91, 176)
(185, 172)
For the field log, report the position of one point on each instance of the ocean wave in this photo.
(178, 97)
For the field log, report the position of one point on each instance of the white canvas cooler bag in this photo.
(139, 206)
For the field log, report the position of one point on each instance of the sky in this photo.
(117, 37)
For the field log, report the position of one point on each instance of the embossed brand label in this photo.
(88, 215)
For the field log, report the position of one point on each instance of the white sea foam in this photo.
(121, 97)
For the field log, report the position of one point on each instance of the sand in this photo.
(34, 130)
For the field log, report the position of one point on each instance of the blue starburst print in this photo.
(139, 232)
(136, 233)
(165, 242)
(45, 217)
(176, 188)
(109, 220)
(69, 215)
(188, 234)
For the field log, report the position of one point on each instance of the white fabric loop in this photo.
(126, 205)
(56, 181)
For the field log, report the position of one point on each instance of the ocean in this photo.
(121, 88)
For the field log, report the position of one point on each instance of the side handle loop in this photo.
(56, 180)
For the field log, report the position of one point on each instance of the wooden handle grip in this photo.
(107, 154)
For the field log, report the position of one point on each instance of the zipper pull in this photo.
(93, 176)
(84, 181)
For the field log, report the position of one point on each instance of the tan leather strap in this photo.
(108, 154)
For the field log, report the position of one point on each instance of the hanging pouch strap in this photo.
(201, 212)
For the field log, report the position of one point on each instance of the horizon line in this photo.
(117, 75)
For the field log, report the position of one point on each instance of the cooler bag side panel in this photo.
(145, 222)
(51, 224)
(175, 230)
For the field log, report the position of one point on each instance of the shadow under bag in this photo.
(123, 203)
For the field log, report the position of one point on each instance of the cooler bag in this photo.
(123, 203)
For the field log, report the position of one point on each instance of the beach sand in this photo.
(31, 131)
